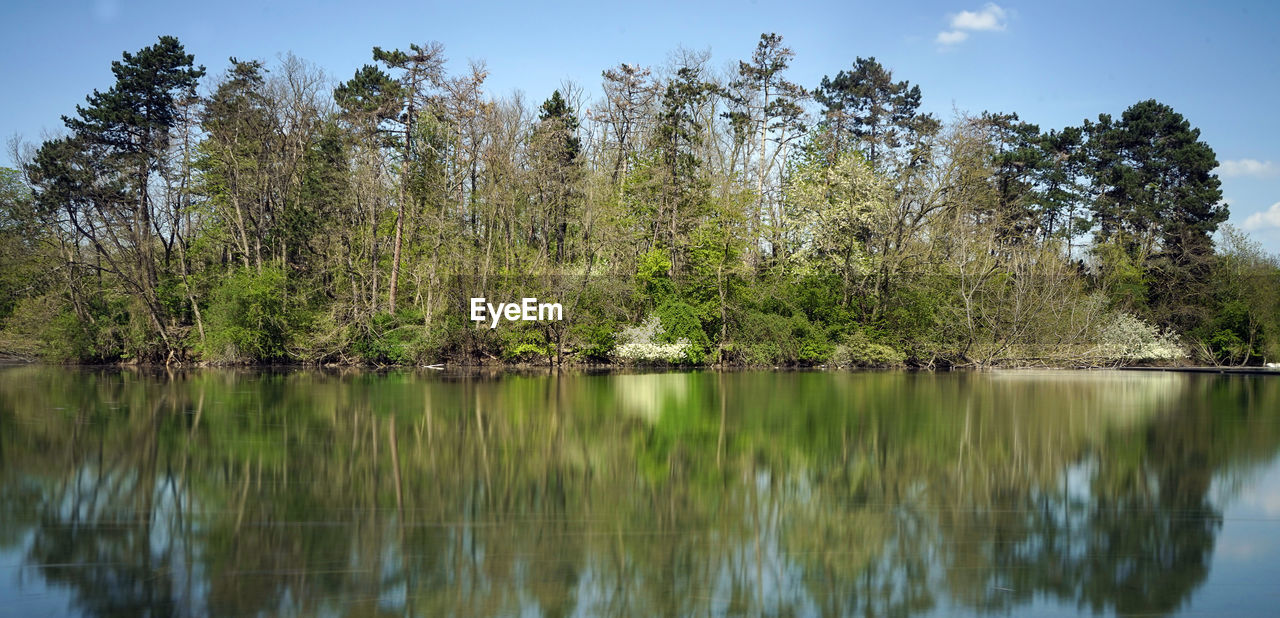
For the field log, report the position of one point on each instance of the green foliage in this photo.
(595, 338)
(401, 338)
(1159, 199)
(48, 326)
(860, 350)
(815, 343)
(525, 344)
(20, 236)
(839, 198)
(1154, 173)
(653, 278)
(912, 320)
(133, 118)
(1244, 325)
(699, 223)
(763, 338)
(864, 105)
(251, 317)
(1120, 275)
(680, 322)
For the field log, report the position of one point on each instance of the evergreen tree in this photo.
(128, 128)
(1159, 200)
(678, 137)
(866, 105)
(769, 107)
(419, 67)
(1155, 178)
(556, 150)
(1016, 158)
(234, 163)
(1060, 194)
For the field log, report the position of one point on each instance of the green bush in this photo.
(680, 322)
(46, 326)
(761, 338)
(653, 280)
(251, 318)
(816, 347)
(859, 350)
(595, 338)
(525, 344)
(402, 338)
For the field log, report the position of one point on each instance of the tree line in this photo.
(686, 216)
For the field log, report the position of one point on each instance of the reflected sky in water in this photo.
(755, 493)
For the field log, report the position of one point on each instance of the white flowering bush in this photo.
(1127, 337)
(639, 344)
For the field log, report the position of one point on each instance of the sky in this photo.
(1053, 63)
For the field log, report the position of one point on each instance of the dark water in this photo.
(245, 493)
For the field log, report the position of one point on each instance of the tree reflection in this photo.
(763, 493)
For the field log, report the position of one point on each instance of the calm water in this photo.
(246, 493)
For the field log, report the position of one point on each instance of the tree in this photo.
(20, 239)
(1015, 160)
(421, 66)
(368, 101)
(235, 168)
(1060, 193)
(629, 97)
(1155, 178)
(101, 178)
(838, 204)
(1245, 286)
(672, 179)
(555, 152)
(763, 99)
(865, 104)
(1158, 197)
(874, 233)
(129, 126)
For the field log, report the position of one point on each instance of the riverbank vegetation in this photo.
(688, 215)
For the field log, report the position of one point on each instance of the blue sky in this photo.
(1052, 63)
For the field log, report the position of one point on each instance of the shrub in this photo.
(762, 338)
(525, 344)
(859, 350)
(596, 338)
(652, 279)
(1127, 337)
(680, 322)
(250, 318)
(642, 344)
(48, 326)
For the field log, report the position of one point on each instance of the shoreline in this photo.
(605, 368)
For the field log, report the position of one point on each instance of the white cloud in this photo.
(1248, 167)
(951, 37)
(991, 17)
(1267, 219)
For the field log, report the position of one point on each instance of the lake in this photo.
(236, 492)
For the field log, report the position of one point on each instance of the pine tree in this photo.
(128, 127)
(1159, 201)
(556, 159)
(866, 105)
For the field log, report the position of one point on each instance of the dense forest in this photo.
(688, 216)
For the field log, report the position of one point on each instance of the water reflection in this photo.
(302, 493)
